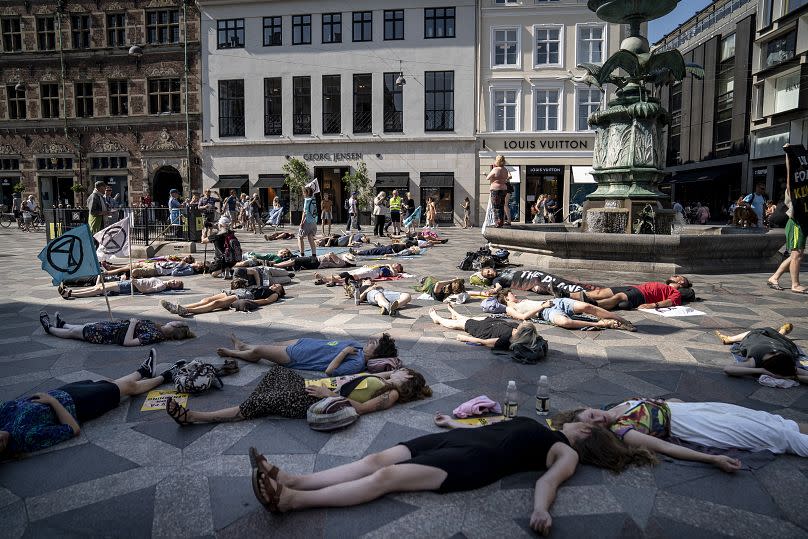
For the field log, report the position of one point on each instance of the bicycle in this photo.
(32, 220)
(6, 219)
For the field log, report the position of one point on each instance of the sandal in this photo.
(774, 286)
(44, 319)
(258, 475)
(179, 414)
(625, 326)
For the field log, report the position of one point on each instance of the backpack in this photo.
(232, 249)
(530, 355)
(483, 261)
(492, 306)
(196, 377)
(331, 413)
(467, 264)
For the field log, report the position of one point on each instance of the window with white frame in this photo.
(549, 45)
(587, 101)
(590, 43)
(506, 47)
(505, 108)
(548, 105)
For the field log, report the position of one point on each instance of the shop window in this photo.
(439, 186)
(787, 92)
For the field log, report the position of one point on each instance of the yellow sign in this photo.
(156, 400)
(481, 421)
(334, 383)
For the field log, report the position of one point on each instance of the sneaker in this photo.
(383, 310)
(146, 369)
(44, 319)
(393, 308)
(349, 289)
(60, 323)
(168, 374)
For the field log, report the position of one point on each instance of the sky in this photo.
(686, 9)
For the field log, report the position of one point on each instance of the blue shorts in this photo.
(124, 287)
(388, 294)
(562, 306)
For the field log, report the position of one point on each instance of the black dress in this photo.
(492, 328)
(473, 458)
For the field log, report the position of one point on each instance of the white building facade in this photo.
(530, 110)
(387, 83)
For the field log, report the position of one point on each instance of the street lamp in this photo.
(400, 81)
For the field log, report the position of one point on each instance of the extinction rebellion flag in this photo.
(797, 187)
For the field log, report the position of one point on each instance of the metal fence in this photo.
(148, 224)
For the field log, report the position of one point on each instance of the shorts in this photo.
(389, 295)
(795, 237)
(92, 399)
(308, 229)
(395, 216)
(326, 216)
(635, 297)
(561, 306)
(306, 263)
(124, 287)
(436, 451)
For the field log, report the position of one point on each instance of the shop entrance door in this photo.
(545, 180)
(331, 182)
(55, 190)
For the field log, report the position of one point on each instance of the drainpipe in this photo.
(476, 107)
(185, 64)
(59, 12)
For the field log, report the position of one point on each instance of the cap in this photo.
(173, 191)
(355, 193)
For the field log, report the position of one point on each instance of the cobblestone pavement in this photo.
(133, 473)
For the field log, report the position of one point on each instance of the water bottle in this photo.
(543, 396)
(511, 403)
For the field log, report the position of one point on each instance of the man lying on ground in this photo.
(560, 312)
(240, 298)
(389, 301)
(259, 259)
(396, 249)
(363, 272)
(325, 261)
(263, 276)
(651, 295)
(146, 268)
(152, 285)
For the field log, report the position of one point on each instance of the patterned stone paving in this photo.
(137, 474)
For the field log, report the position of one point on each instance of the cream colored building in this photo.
(529, 108)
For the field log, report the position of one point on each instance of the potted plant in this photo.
(297, 175)
(79, 189)
(359, 181)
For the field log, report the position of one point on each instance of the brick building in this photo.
(95, 90)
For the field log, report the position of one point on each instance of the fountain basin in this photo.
(699, 249)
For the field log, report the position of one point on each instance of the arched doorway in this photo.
(165, 179)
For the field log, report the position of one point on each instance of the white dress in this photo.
(727, 426)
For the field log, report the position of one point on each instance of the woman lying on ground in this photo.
(132, 332)
(400, 249)
(156, 268)
(646, 422)
(263, 276)
(279, 236)
(374, 272)
(284, 393)
(389, 301)
(324, 261)
(259, 259)
(440, 290)
(151, 285)
(496, 333)
(343, 240)
(560, 312)
(767, 352)
(241, 297)
(29, 424)
(453, 461)
(330, 356)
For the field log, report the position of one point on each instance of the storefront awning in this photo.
(701, 175)
(582, 175)
(230, 182)
(392, 180)
(516, 174)
(437, 179)
(274, 181)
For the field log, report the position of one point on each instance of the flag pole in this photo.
(129, 239)
(106, 297)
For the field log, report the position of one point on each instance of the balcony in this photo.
(362, 122)
(332, 123)
(273, 124)
(301, 124)
(439, 120)
(393, 121)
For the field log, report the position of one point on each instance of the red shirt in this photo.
(656, 292)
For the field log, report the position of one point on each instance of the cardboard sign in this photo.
(334, 383)
(481, 421)
(156, 400)
(797, 182)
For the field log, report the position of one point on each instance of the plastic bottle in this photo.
(543, 396)
(511, 402)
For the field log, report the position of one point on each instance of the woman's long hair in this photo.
(386, 347)
(178, 333)
(413, 389)
(604, 449)
(526, 334)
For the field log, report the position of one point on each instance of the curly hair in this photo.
(413, 389)
(386, 347)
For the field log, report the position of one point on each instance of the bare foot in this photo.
(724, 338)
(452, 312)
(433, 314)
(224, 352)
(786, 328)
(238, 344)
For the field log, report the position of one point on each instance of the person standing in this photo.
(410, 203)
(353, 212)
(550, 209)
(207, 205)
(703, 214)
(16, 207)
(308, 222)
(97, 207)
(431, 212)
(380, 211)
(679, 209)
(174, 206)
(256, 208)
(395, 212)
(466, 213)
(757, 200)
(230, 206)
(498, 179)
(327, 214)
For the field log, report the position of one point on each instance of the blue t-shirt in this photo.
(310, 209)
(174, 207)
(317, 354)
(34, 426)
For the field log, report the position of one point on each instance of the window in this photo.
(363, 26)
(506, 47)
(163, 26)
(439, 100)
(506, 105)
(301, 103)
(787, 92)
(503, 2)
(362, 103)
(439, 22)
(164, 96)
(230, 34)
(46, 33)
(49, 97)
(9, 164)
(108, 162)
(84, 99)
(332, 27)
(231, 108)
(547, 108)
(332, 107)
(116, 29)
(393, 24)
(588, 100)
(80, 31)
(727, 48)
(549, 42)
(273, 106)
(393, 104)
(118, 98)
(780, 49)
(301, 29)
(12, 34)
(794, 5)
(16, 103)
(273, 32)
(54, 163)
(590, 44)
(675, 128)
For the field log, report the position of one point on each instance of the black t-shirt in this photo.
(763, 341)
(410, 205)
(779, 218)
(493, 328)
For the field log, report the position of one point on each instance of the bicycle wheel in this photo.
(6, 220)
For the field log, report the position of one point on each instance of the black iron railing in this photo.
(362, 122)
(439, 120)
(332, 123)
(393, 121)
(301, 124)
(273, 124)
(148, 224)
